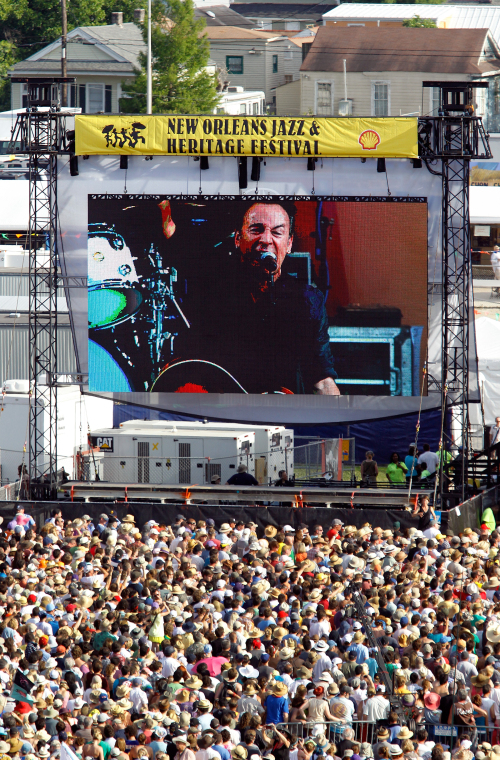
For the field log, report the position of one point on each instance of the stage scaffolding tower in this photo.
(447, 143)
(452, 139)
(40, 133)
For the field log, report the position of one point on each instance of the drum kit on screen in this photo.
(133, 320)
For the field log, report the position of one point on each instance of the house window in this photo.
(324, 98)
(380, 98)
(255, 107)
(306, 46)
(480, 102)
(288, 78)
(91, 98)
(95, 98)
(243, 107)
(435, 100)
(234, 64)
(288, 55)
(275, 64)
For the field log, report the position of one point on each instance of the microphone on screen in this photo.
(269, 261)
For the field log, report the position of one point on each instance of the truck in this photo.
(274, 444)
(149, 454)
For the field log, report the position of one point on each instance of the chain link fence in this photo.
(483, 272)
(265, 467)
(331, 459)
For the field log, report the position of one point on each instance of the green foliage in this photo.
(180, 52)
(420, 23)
(26, 26)
(6, 60)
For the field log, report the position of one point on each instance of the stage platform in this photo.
(192, 494)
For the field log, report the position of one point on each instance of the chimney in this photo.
(117, 18)
(139, 14)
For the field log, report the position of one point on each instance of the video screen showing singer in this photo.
(259, 323)
(256, 294)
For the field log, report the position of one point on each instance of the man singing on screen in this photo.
(264, 239)
(254, 319)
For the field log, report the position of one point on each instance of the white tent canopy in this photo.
(488, 357)
(485, 205)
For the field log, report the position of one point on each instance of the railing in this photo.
(366, 731)
(483, 272)
(10, 491)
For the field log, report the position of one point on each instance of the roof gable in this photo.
(117, 43)
(440, 51)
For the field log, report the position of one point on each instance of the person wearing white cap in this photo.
(323, 662)
(183, 752)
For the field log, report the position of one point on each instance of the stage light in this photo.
(204, 163)
(381, 165)
(417, 163)
(73, 166)
(311, 164)
(255, 175)
(123, 162)
(242, 172)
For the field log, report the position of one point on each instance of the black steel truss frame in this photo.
(454, 140)
(42, 137)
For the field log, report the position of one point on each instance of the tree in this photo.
(417, 22)
(26, 26)
(180, 53)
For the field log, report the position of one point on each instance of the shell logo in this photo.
(369, 139)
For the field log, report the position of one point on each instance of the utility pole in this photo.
(64, 61)
(149, 73)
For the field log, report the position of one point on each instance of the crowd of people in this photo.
(417, 466)
(230, 641)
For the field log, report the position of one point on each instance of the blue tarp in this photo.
(381, 436)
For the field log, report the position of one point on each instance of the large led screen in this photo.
(238, 294)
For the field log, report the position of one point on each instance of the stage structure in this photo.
(454, 137)
(42, 136)
(446, 142)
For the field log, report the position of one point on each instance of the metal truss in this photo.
(253, 198)
(453, 139)
(42, 136)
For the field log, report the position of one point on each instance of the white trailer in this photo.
(274, 444)
(191, 457)
(75, 413)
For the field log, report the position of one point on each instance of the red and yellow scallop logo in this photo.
(369, 139)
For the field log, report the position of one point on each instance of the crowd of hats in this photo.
(199, 641)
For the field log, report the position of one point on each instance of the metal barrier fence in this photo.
(320, 462)
(331, 459)
(189, 471)
(10, 491)
(482, 272)
(366, 731)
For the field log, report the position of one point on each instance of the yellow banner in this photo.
(245, 136)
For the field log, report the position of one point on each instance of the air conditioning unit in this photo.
(345, 107)
(16, 386)
(236, 88)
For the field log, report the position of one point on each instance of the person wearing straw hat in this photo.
(276, 704)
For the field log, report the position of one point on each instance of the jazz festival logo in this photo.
(369, 139)
(119, 138)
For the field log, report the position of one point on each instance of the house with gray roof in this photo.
(99, 57)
